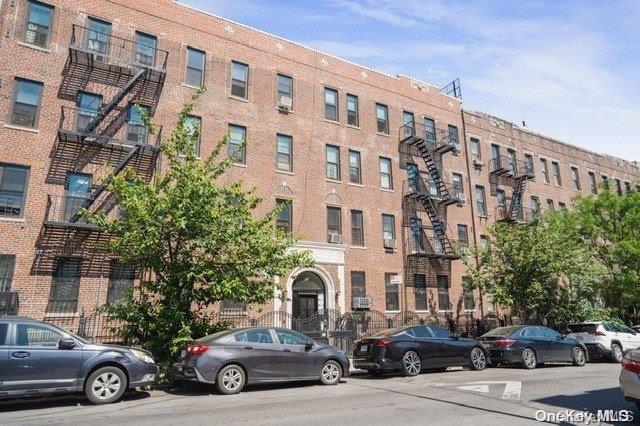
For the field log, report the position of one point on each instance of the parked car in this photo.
(630, 376)
(38, 358)
(412, 349)
(605, 339)
(532, 345)
(234, 358)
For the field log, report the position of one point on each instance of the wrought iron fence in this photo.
(9, 303)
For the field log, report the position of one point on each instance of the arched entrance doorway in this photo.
(308, 295)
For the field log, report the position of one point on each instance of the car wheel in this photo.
(579, 358)
(331, 373)
(105, 385)
(529, 360)
(230, 379)
(616, 353)
(411, 364)
(478, 359)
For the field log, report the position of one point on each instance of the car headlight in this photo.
(142, 356)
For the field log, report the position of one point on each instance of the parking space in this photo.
(510, 395)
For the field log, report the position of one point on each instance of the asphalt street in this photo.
(505, 395)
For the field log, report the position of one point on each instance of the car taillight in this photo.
(503, 343)
(197, 348)
(382, 343)
(631, 365)
(600, 333)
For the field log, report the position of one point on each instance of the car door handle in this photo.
(248, 347)
(286, 350)
(20, 354)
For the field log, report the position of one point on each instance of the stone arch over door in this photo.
(307, 281)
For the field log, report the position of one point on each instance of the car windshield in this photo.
(503, 331)
(583, 328)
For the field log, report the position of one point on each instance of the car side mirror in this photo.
(308, 346)
(66, 343)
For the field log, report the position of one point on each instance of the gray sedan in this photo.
(231, 359)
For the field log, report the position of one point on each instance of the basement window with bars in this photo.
(443, 292)
(392, 295)
(26, 103)
(121, 278)
(239, 79)
(38, 25)
(63, 297)
(13, 189)
(420, 286)
(7, 264)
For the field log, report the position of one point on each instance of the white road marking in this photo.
(475, 388)
(512, 389)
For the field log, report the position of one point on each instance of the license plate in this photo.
(363, 349)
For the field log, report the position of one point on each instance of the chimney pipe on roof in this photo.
(524, 124)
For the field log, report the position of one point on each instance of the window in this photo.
(420, 331)
(26, 104)
(137, 131)
(443, 292)
(357, 228)
(38, 25)
(550, 205)
(63, 296)
(511, 155)
(382, 118)
(535, 205)
(495, 152)
(37, 335)
(420, 285)
(355, 171)
(439, 332)
(593, 185)
(285, 91)
(627, 187)
(416, 242)
(232, 306)
(481, 202)
(429, 130)
(562, 206)
(285, 153)
(260, 335)
(4, 328)
(239, 79)
(353, 115)
(89, 105)
(469, 301)
(146, 49)
(618, 187)
(556, 173)
(98, 38)
(544, 169)
(77, 191)
(453, 136)
(386, 181)
(605, 181)
(501, 198)
(358, 284)
(284, 220)
(193, 128)
(237, 137)
(576, 178)
(334, 220)
(457, 184)
(549, 333)
(7, 263)
(388, 228)
(13, 189)
(195, 67)
(474, 146)
(531, 332)
(330, 104)
(120, 279)
(333, 162)
(463, 236)
(409, 123)
(391, 293)
(290, 337)
(528, 164)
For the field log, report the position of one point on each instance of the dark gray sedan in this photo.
(231, 359)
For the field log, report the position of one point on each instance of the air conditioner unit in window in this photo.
(389, 243)
(360, 303)
(335, 238)
(478, 163)
(285, 103)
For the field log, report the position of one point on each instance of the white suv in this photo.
(605, 339)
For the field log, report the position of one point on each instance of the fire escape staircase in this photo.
(516, 173)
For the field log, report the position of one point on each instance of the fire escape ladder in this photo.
(516, 200)
(119, 96)
(437, 222)
(434, 171)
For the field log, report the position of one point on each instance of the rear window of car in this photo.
(583, 328)
(215, 336)
(390, 332)
(4, 328)
(503, 331)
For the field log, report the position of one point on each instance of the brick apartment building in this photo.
(385, 174)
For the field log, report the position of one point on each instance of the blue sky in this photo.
(570, 69)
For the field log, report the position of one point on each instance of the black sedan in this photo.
(415, 348)
(532, 345)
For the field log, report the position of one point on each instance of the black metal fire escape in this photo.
(515, 173)
(99, 140)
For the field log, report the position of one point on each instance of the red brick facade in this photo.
(178, 27)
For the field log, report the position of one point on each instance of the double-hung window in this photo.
(285, 91)
(26, 103)
(355, 168)
(357, 228)
(333, 162)
(13, 190)
(391, 293)
(194, 75)
(382, 118)
(481, 202)
(237, 137)
(38, 25)
(330, 104)
(284, 220)
(239, 79)
(353, 116)
(285, 153)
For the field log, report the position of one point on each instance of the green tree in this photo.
(198, 241)
(542, 270)
(611, 224)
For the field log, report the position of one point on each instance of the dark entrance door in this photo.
(306, 307)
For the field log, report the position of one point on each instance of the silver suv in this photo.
(605, 339)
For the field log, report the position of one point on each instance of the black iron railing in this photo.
(9, 302)
(420, 185)
(521, 214)
(511, 167)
